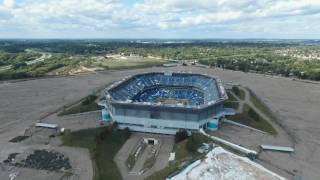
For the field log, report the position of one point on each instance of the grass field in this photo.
(231, 104)
(231, 96)
(250, 118)
(115, 64)
(103, 145)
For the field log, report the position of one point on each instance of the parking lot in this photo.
(295, 103)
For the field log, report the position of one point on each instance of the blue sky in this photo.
(292, 19)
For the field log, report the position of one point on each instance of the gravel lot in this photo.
(296, 103)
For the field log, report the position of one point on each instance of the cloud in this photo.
(114, 17)
(8, 3)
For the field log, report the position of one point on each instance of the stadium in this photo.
(165, 103)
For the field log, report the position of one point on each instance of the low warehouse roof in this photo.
(277, 148)
(46, 125)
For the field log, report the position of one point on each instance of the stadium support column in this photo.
(105, 115)
(212, 125)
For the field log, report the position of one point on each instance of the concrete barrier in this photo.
(234, 146)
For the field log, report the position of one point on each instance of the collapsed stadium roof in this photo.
(150, 88)
(164, 103)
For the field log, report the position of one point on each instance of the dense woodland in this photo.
(296, 58)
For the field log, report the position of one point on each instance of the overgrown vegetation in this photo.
(186, 152)
(180, 136)
(65, 64)
(232, 101)
(298, 59)
(238, 92)
(103, 144)
(42, 159)
(231, 96)
(86, 105)
(195, 141)
(118, 63)
(231, 104)
(133, 157)
(150, 161)
(16, 58)
(39, 69)
(18, 139)
(250, 118)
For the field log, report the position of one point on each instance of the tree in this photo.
(115, 125)
(18, 65)
(181, 135)
(89, 99)
(236, 90)
(127, 132)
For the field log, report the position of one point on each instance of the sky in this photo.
(181, 19)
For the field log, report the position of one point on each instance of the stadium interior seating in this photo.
(151, 87)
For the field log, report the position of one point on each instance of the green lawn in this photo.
(250, 118)
(231, 104)
(103, 145)
(231, 96)
(238, 92)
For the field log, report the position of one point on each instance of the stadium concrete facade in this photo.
(162, 102)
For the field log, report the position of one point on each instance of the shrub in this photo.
(89, 99)
(236, 90)
(103, 135)
(181, 135)
(127, 132)
(115, 125)
(18, 65)
(194, 142)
